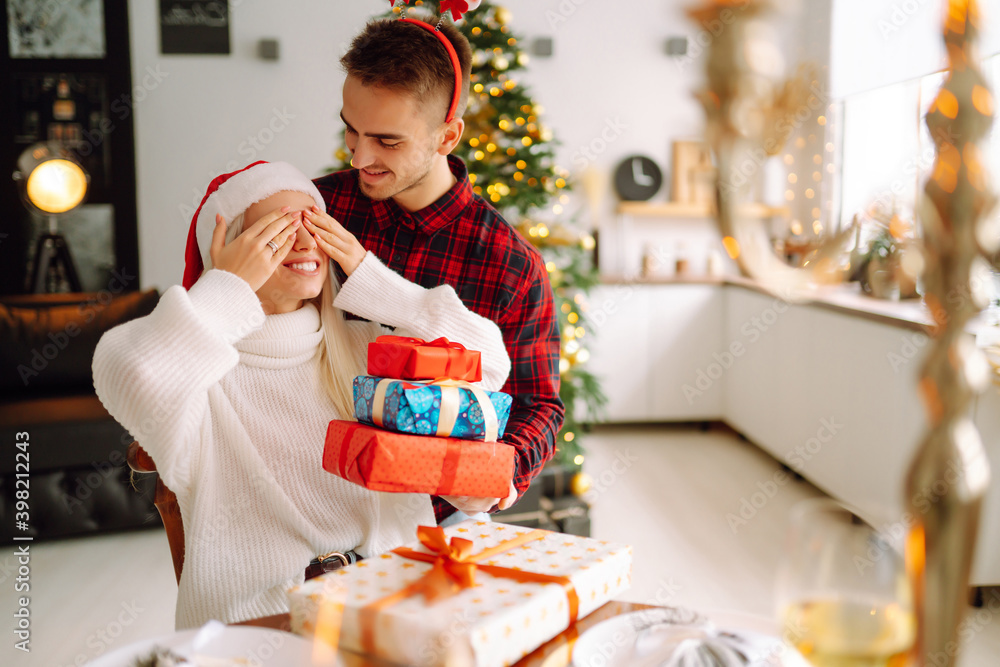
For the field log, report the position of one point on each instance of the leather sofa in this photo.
(78, 480)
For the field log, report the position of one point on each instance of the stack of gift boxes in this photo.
(423, 425)
(475, 593)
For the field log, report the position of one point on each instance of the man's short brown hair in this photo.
(397, 55)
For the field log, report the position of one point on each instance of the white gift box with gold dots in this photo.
(374, 607)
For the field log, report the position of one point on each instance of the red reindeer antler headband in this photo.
(457, 8)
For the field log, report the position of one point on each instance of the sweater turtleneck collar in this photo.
(285, 340)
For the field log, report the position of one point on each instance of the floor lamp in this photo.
(52, 182)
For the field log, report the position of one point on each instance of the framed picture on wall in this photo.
(693, 173)
(65, 29)
(194, 26)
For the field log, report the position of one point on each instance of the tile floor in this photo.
(664, 489)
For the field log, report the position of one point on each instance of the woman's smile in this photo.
(309, 267)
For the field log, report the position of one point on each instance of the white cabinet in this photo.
(830, 393)
(752, 320)
(986, 567)
(688, 355)
(621, 345)
(649, 342)
(855, 379)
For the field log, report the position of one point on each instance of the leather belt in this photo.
(330, 562)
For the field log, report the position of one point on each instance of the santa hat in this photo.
(232, 194)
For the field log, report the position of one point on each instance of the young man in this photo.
(410, 202)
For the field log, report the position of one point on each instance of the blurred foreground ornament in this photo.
(950, 466)
(744, 101)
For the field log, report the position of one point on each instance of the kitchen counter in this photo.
(846, 298)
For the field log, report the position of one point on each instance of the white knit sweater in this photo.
(229, 404)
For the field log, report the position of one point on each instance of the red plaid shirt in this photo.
(463, 241)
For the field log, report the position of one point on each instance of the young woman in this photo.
(230, 384)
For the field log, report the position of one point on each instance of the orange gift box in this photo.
(383, 460)
(405, 358)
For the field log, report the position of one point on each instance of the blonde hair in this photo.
(338, 364)
(337, 360)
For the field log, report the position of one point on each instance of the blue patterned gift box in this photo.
(416, 407)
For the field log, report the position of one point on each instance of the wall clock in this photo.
(637, 178)
(64, 29)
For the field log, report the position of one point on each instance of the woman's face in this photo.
(301, 274)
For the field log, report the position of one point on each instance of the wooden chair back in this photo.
(166, 504)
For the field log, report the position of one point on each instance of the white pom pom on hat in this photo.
(230, 195)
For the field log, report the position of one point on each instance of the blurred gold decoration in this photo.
(892, 259)
(898, 227)
(790, 98)
(556, 234)
(993, 356)
(950, 466)
(744, 101)
(581, 483)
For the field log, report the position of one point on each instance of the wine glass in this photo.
(842, 593)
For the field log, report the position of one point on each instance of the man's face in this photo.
(392, 140)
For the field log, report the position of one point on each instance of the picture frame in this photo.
(693, 173)
(194, 27)
(70, 29)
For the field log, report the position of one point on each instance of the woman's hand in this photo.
(338, 243)
(248, 255)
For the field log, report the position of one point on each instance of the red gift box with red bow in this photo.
(406, 358)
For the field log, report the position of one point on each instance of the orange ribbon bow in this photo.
(453, 566)
(454, 570)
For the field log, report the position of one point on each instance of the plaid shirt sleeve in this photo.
(531, 334)
(462, 241)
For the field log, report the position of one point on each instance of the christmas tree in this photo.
(511, 160)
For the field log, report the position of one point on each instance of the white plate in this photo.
(613, 642)
(257, 646)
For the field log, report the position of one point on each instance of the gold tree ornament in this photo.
(951, 466)
(581, 483)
